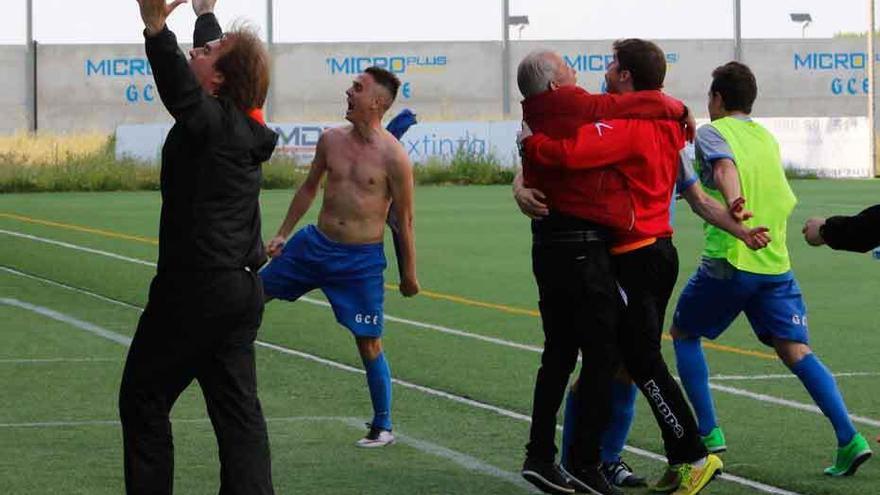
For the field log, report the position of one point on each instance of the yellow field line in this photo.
(425, 293)
(471, 302)
(80, 228)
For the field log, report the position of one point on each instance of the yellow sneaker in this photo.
(694, 479)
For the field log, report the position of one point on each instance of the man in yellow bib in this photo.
(737, 158)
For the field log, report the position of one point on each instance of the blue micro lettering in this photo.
(101, 68)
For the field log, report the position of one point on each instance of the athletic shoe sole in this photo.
(582, 487)
(373, 445)
(858, 461)
(544, 484)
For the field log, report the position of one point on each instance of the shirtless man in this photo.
(367, 171)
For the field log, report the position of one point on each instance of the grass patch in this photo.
(464, 168)
(69, 163)
(58, 164)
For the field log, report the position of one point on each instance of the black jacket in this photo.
(859, 233)
(211, 161)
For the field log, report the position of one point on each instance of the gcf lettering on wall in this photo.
(141, 90)
(848, 68)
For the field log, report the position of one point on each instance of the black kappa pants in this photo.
(202, 326)
(648, 276)
(580, 304)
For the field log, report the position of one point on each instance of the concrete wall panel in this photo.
(95, 88)
(13, 88)
(441, 81)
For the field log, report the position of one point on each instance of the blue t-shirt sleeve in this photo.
(686, 174)
(710, 146)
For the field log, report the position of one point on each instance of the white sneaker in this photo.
(376, 437)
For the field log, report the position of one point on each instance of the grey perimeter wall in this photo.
(97, 87)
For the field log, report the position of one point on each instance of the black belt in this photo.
(568, 237)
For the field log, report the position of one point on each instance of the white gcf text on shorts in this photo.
(367, 319)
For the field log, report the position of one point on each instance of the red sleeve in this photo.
(596, 145)
(636, 105)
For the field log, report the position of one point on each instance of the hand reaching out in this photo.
(154, 13)
(203, 6)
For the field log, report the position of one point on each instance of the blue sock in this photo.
(623, 408)
(568, 424)
(379, 381)
(823, 389)
(694, 374)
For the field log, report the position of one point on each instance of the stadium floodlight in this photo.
(521, 21)
(804, 19)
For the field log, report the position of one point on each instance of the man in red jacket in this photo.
(579, 298)
(646, 154)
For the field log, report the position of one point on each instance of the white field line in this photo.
(781, 376)
(121, 339)
(460, 458)
(58, 360)
(55, 315)
(721, 388)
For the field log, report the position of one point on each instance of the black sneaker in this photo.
(620, 474)
(546, 476)
(591, 480)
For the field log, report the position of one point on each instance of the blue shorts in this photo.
(718, 292)
(350, 275)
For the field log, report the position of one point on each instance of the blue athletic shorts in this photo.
(350, 275)
(717, 293)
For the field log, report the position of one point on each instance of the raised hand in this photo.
(203, 6)
(154, 13)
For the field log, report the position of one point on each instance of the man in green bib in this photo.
(737, 158)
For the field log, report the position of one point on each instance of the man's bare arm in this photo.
(303, 198)
(716, 214)
(727, 181)
(400, 182)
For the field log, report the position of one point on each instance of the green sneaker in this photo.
(850, 457)
(669, 482)
(714, 441)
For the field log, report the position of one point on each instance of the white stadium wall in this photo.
(441, 81)
(13, 88)
(95, 88)
(816, 87)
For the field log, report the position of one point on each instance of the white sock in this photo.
(699, 464)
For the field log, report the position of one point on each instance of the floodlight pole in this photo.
(737, 31)
(872, 142)
(270, 44)
(505, 57)
(30, 68)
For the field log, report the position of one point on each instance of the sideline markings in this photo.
(459, 458)
(425, 293)
(714, 386)
(123, 340)
(59, 360)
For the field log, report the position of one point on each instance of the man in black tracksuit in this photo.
(205, 302)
